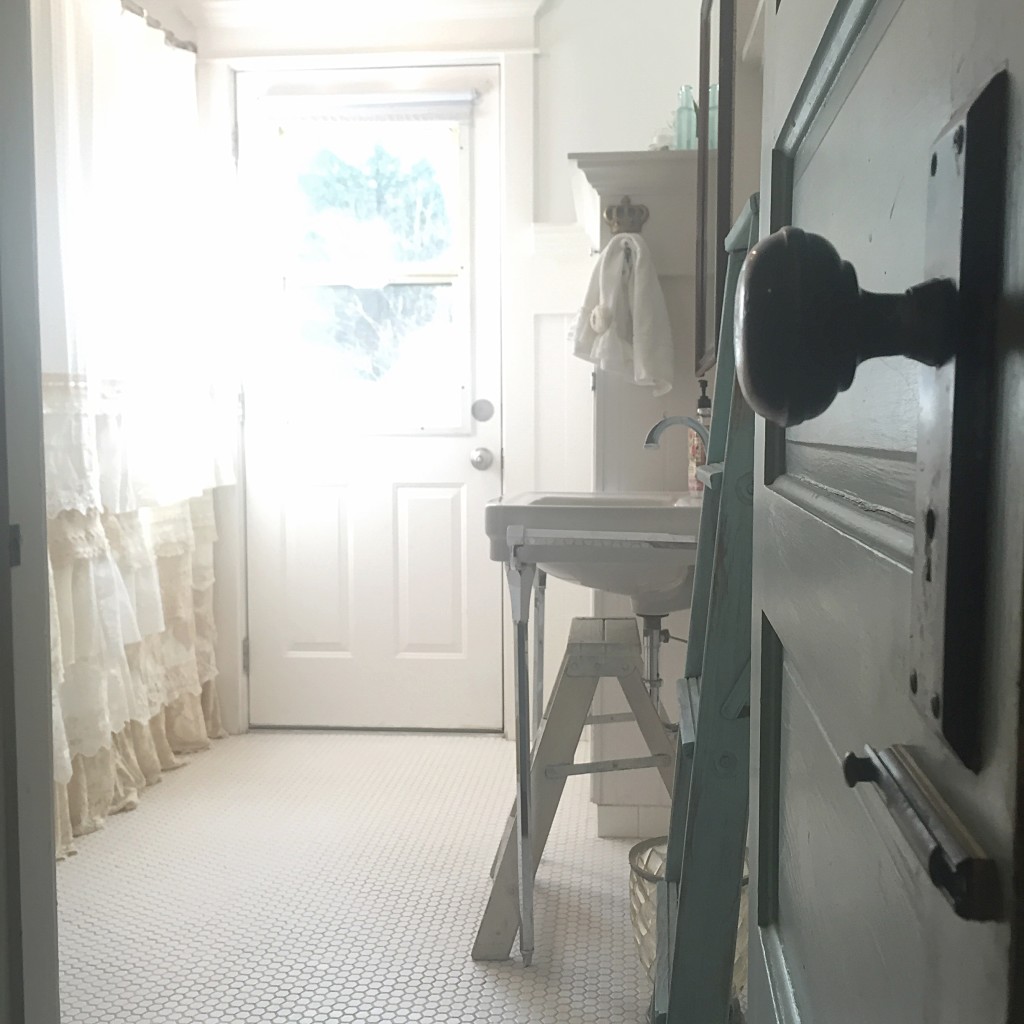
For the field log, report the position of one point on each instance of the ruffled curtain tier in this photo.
(134, 668)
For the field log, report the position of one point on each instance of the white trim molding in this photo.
(239, 28)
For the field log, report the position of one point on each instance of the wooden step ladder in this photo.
(598, 648)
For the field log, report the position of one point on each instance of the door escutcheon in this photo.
(803, 327)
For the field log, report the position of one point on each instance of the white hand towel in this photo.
(623, 325)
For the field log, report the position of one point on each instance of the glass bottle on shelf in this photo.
(686, 119)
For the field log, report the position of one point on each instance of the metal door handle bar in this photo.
(955, 863)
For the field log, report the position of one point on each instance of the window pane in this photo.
(364, 194)
(375, 329)
(392, 356)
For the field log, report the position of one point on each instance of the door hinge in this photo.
(14, 545)
(245, 656)
(593, 380)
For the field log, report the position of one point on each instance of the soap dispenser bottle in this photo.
(686, 120)
(698, 453)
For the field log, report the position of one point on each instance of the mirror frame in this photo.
(720, 14)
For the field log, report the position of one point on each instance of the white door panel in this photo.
(430, 535)
(317, 571)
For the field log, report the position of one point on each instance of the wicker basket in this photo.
(646, 869)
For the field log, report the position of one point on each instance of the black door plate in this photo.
(964, 241)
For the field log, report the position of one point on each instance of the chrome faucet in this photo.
(659, 428)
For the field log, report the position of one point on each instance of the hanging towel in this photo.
(623, 325)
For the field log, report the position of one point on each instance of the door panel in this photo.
(839, 943)
(317, 571)
(849, 926)
(431, 541)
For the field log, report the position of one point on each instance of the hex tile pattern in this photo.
(300, 878)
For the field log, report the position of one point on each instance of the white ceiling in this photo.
(280, 28)
(354, 14)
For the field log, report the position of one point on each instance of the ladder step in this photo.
(622, 764)
(619, 716)
(706, 474)
(689, 709)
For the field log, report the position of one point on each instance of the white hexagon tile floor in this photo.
(300, 878)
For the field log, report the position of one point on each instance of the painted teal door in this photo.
(848, 928)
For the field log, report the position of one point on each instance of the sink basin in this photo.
(641, 545)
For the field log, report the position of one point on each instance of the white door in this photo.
(373, 422)
(853, 917)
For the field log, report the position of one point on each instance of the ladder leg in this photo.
(712, 870)
(539, 595)
(651, 726)
(512, 809)
(510, 824)
(524, 799)
(556, 744)
(714, 841)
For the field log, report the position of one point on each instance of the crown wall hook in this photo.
(625, 216)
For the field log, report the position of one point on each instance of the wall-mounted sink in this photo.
(642, 545)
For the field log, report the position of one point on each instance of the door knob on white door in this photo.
(481, 458)
(803, 324)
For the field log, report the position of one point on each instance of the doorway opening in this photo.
(372, 393)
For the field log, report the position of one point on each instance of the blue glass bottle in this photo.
(686, 120)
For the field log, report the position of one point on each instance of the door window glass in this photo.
(370, 224)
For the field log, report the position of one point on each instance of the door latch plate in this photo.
(964, 242)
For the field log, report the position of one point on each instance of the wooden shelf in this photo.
(664, 180)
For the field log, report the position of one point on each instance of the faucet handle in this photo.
(803, 325)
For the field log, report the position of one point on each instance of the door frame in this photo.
(218, 78)
(29, 985)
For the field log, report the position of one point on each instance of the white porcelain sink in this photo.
(642, 545)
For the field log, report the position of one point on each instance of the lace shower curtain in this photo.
(137, 431)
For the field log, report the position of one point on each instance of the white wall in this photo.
(605, 80)
(608, 80)
(608, 75)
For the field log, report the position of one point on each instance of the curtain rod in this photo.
(172, 40)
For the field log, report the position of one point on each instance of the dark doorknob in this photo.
(803, 325)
